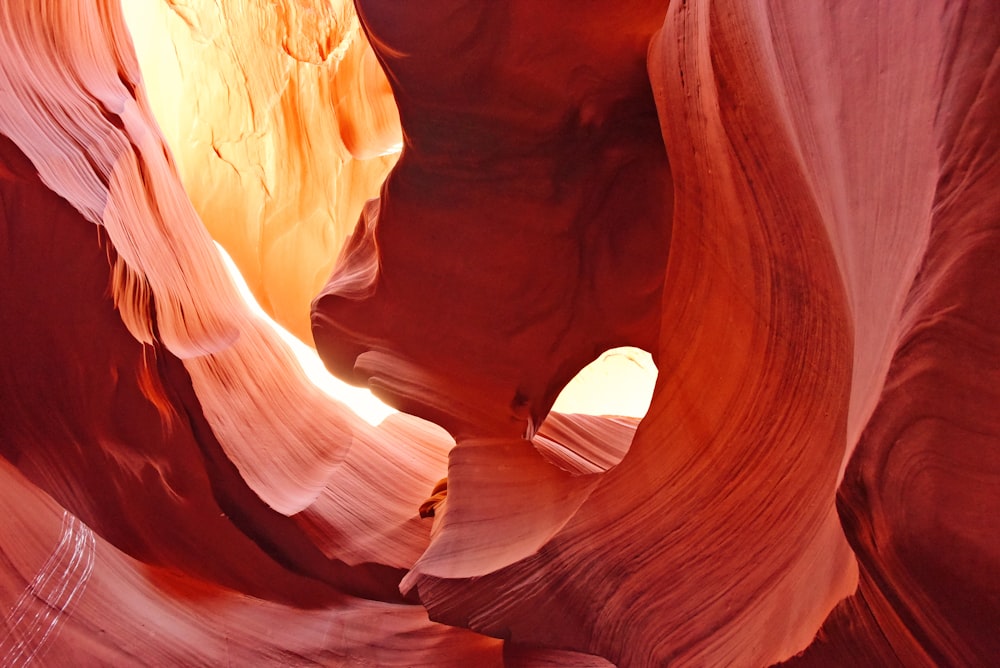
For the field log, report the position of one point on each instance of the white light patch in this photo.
(619, 382)
(364, 404)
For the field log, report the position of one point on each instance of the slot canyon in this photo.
(655, 332)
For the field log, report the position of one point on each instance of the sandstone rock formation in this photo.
(794, 207)
(280, 123)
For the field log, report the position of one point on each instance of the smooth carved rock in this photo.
(816, 478)
(281, 125)
(524, 229)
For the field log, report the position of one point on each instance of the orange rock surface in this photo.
(794, 207)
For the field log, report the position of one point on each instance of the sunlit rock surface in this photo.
(281, 125)
(792, 206)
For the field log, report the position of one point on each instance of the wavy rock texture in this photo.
(281, 125)
(792, 206)
(809, 150)
(155, 434)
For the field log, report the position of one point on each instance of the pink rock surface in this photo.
(793, 206)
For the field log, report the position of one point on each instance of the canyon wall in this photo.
(792, 206)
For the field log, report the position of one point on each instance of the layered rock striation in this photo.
(793, 207)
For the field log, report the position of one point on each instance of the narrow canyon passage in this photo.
(771, 225)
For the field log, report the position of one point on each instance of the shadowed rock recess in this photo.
(793, 207)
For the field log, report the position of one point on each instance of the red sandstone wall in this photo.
(793, 207)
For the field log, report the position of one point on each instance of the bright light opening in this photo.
(620, 382)
(358, 399)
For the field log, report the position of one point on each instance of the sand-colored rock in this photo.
(281, 125)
